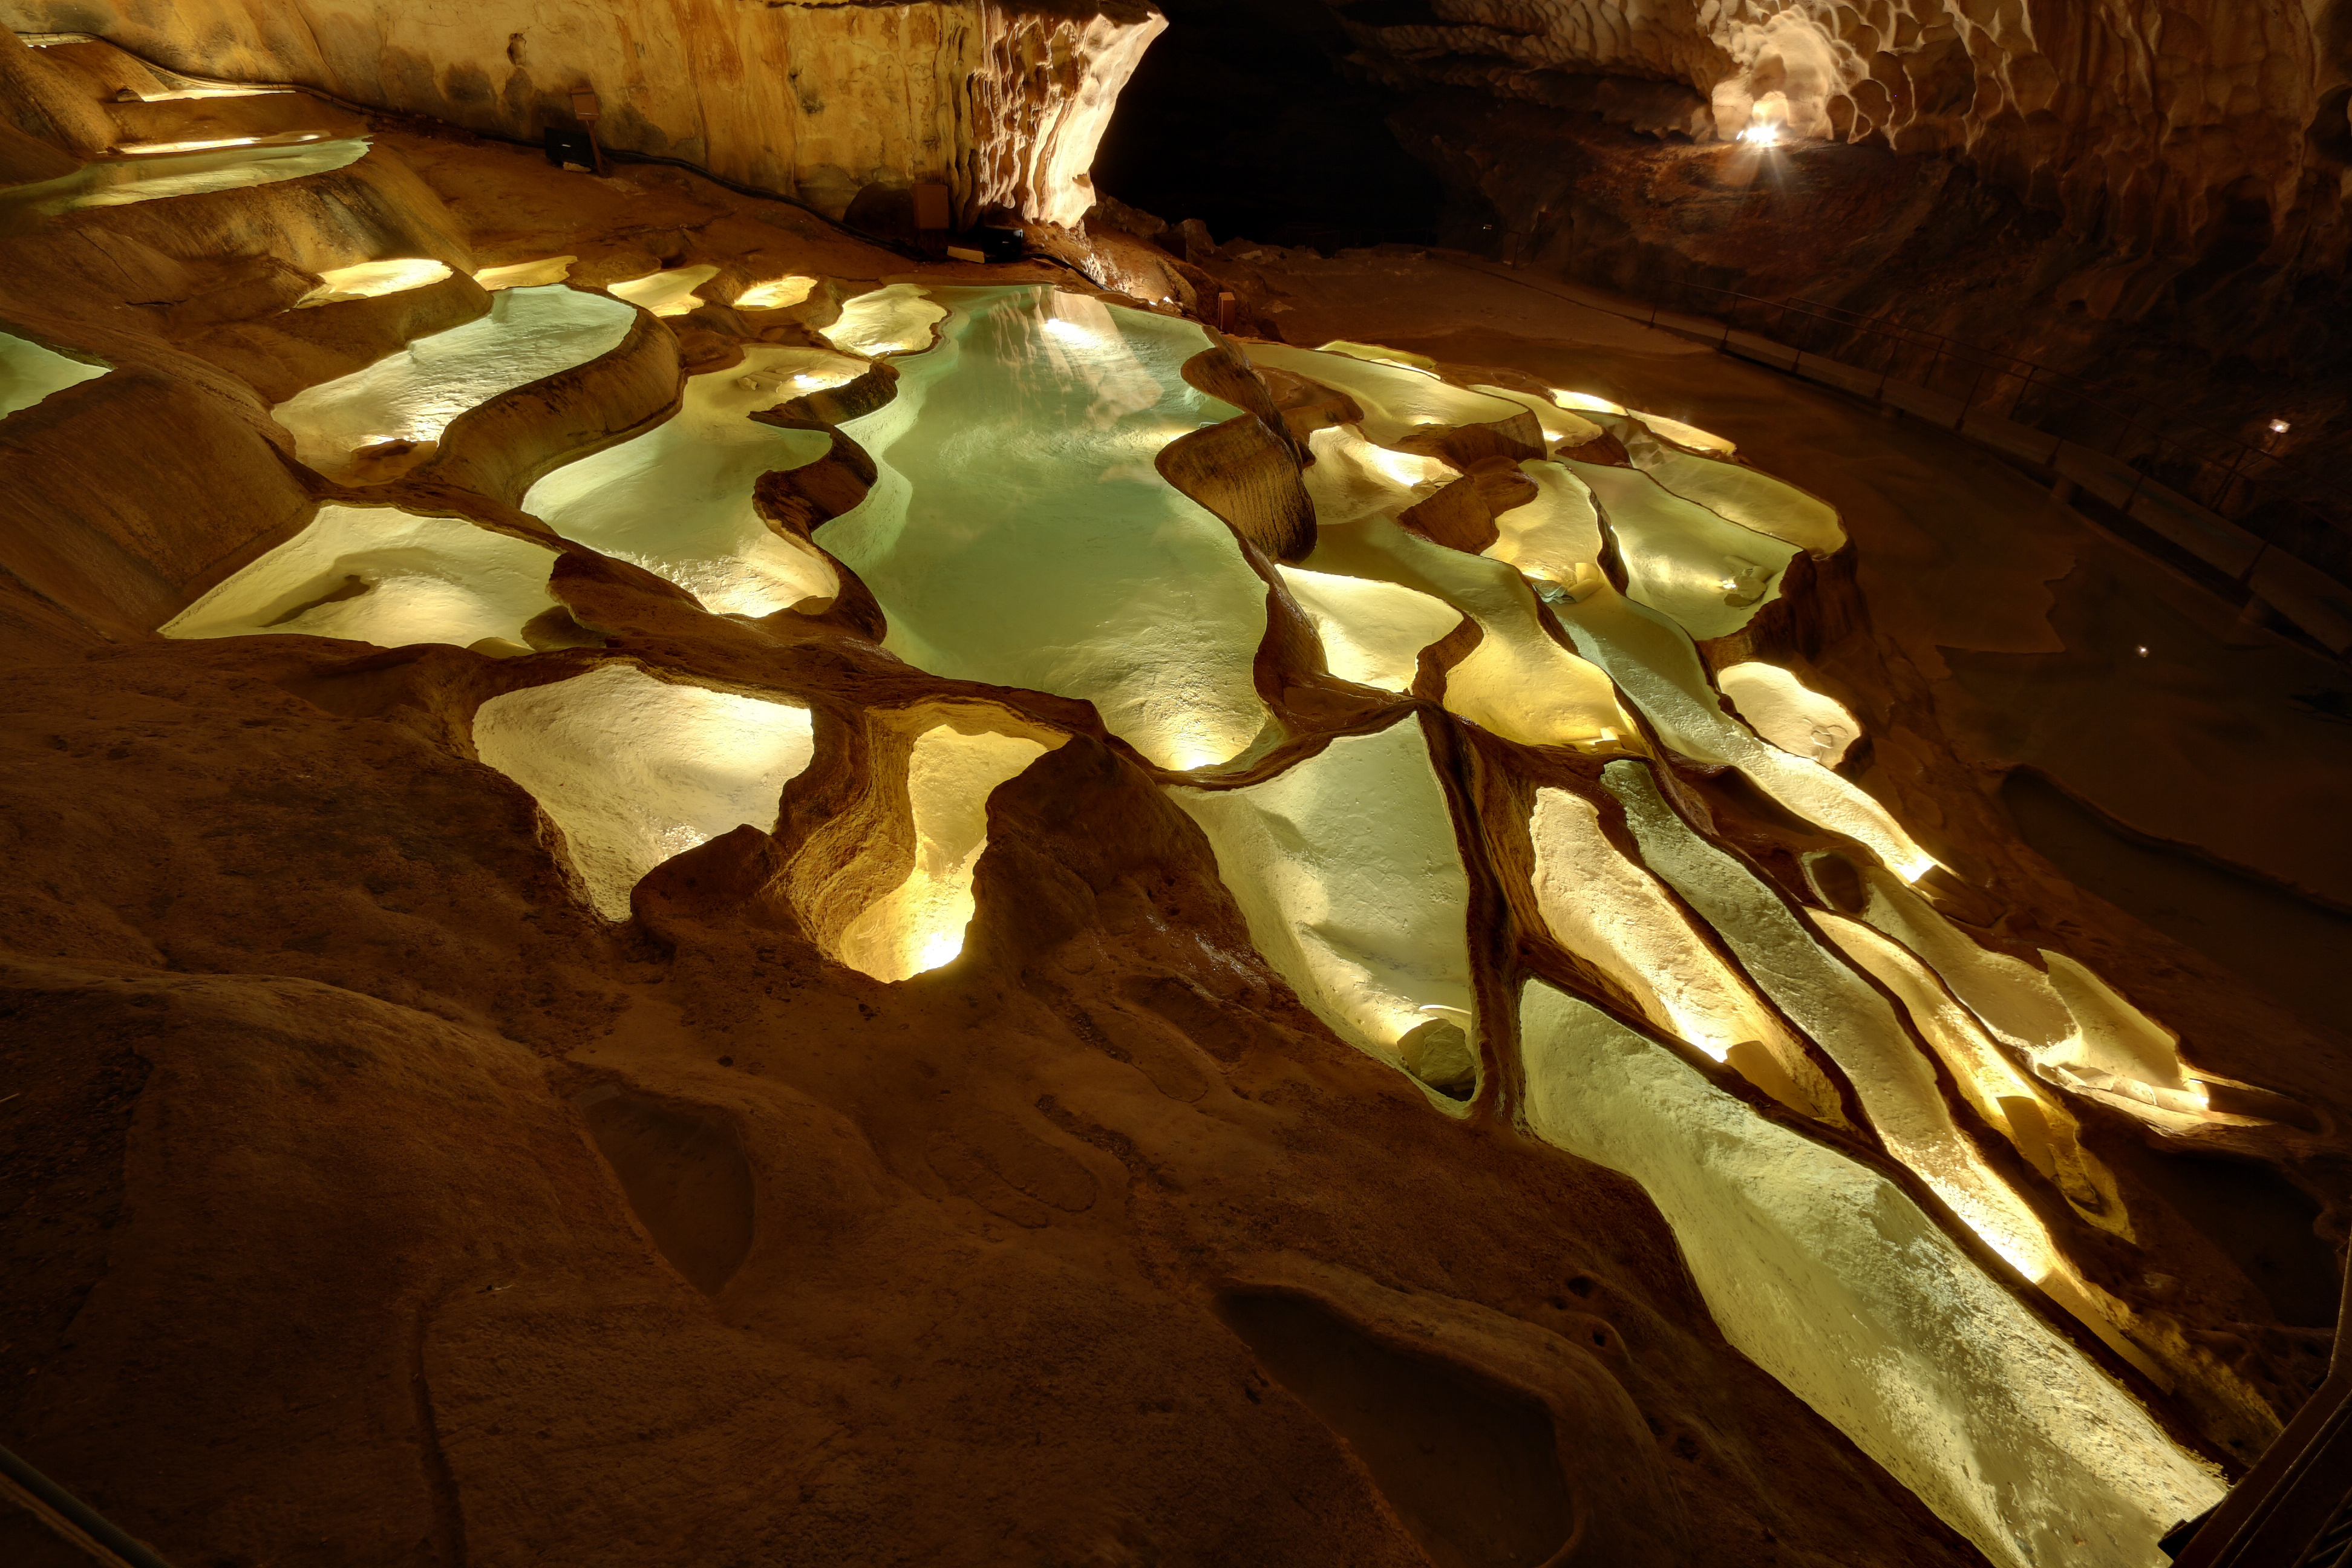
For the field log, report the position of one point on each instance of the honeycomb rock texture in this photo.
(2151, 122)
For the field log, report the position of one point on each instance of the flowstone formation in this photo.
(720, 903)
(1003, 102)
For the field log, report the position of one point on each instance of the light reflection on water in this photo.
(111, 183)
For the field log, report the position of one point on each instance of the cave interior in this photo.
(1414, 783)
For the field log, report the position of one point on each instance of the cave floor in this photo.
(383, 1198)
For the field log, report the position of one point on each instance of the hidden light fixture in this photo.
(213, 145)
(587, 110)
(777, 294)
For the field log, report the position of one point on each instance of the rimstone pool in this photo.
(1016, 533)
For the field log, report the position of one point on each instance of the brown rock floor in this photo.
(367, 1201)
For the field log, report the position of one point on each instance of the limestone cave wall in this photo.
(2151, 200)
(1003, 102)
(2149, 126)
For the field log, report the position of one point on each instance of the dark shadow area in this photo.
(2287, 947)
(1471, 1467)
(65, 1125)
(2263, 1221)
(1239, 117)
(685, 1176)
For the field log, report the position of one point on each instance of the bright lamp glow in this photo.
(369, 279)
(202, 144)
(670, 293)
(780, 294)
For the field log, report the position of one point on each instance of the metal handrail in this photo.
(2277, 567)
(2231, 484)
(2296, 1490)
(74, 1520)
(1984, 358)
(2238, 487)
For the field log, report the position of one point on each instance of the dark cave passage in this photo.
(1240, 116)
